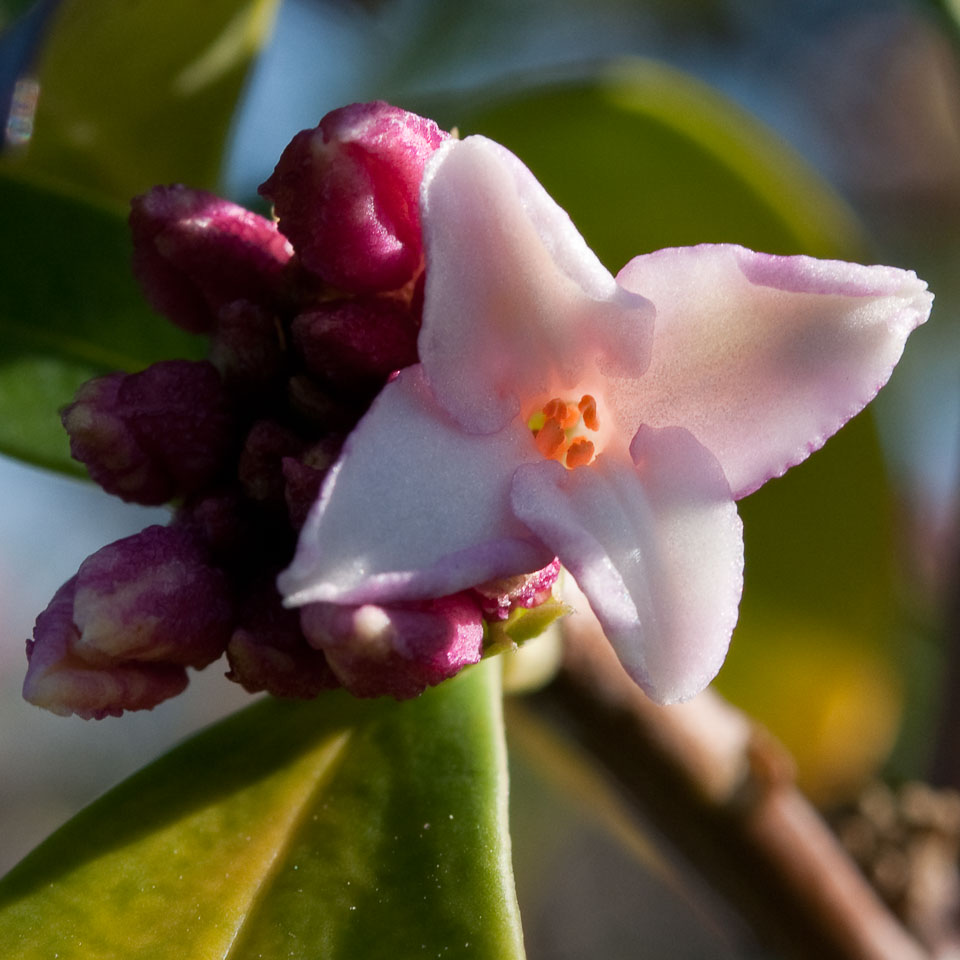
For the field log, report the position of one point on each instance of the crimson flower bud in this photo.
(119, 634)
(246, 346)
(396, 651)
(304, 475)
(347, 195)
(357, 343)
(267, 650)
(150, 436)
(260, 468)
(194, 252)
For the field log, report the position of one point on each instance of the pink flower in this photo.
(610, 422)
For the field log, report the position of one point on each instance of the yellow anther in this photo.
(551, 439)
(588, 408)
(580, 453)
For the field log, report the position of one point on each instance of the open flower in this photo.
(612, 423)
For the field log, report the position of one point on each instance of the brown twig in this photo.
(722, 789)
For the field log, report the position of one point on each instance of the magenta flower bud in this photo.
(499, 598)
(347, 195)
(119, 635)
(152, 597)
(63, 683)
(393, 651)
(246, 346)
(268, 651)
(150, 436)
(194, 252)
(357, 342)
(261, 462)
(303, 477)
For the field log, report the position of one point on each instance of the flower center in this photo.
(561, 430)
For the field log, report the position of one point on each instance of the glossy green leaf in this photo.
(643, 157)
(134, 94)
(11, 9)
(334, 828)
(69, 310)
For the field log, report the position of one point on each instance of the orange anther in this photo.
(550, 439)
(562, 412)
(588, 407)
(580, 453)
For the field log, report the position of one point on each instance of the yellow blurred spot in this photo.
(832, 698)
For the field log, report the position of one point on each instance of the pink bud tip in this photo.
(347, 195)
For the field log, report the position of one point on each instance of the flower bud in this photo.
(347, 195)
(152, 597)
(260, 468)
(119, 635)
(357, 343)
(499, 598)
(194, 252)
(63, 683)
(268, 651)
(246, 346)
(150, 436)
(304, 475)
(396, 651)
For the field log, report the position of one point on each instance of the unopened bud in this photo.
(63, 683)
(150, 436)
(304, 475)
(396, 651)
(194, 252)
(357, 343)
(268, 651)
(119, 634)
(347, 195)
(246, 346)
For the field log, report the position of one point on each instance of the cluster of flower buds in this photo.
(307, 317)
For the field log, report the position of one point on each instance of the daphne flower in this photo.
(610, 422)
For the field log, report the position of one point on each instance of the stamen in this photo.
(550, 438)
(580, 453)
(563, 413)
(588, 407)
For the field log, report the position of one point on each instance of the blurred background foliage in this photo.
(828, 128)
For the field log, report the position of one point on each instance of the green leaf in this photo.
(10, 10)
(135, 94)
(334, 828)
(644, 157)
(69, 310)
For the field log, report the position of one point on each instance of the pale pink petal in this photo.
(516, 303)
(414, 508)
(764, 357)
(656, 547)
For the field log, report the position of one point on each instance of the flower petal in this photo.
(655, 545)
(764, 357)
(414, 508)
(516, 303)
